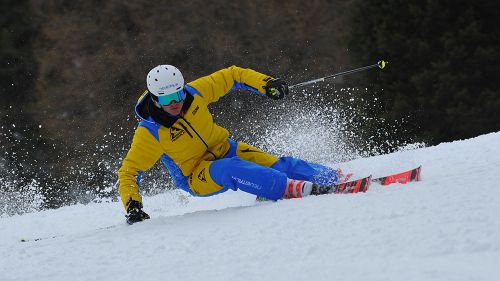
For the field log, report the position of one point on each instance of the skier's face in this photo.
(174, 108)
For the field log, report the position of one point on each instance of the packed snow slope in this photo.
(445, 227)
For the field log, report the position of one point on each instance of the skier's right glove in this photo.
(135, 212)
(276, 89)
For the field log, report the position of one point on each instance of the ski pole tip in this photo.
(382, 64)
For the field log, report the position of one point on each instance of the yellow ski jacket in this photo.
(181, 142)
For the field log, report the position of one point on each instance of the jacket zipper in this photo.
(202, 140)
(185, 129)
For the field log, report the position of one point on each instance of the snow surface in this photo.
(445, 227)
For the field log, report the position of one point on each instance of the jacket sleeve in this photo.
(142, 155)
(219, 83)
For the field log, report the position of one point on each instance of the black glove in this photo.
(276, 89)
(135, 212)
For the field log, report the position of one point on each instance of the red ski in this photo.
(362, 185)
(355, 186)
(403, 178)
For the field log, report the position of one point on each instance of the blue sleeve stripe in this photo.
(243, 86)
(236, 85)
(192, 90)
(138, 178)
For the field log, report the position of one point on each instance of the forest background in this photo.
(71, 72)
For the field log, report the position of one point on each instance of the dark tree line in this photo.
(444, 58)
(71, 72)
(22, 148)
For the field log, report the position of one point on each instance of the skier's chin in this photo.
(173, 109)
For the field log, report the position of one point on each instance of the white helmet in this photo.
(164, 80)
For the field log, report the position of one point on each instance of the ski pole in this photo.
(380, 64)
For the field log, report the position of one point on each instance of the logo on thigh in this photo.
(201, 176)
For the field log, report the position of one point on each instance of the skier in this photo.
(177, 127)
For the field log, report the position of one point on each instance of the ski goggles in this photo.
(168, 99)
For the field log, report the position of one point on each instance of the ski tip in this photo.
(402, 178)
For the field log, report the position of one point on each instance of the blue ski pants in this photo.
(254, 171)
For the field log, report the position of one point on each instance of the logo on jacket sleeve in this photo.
(175, 133)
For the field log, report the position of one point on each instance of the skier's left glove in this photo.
(135, 212)
(276, 89)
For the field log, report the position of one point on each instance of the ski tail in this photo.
(403, 178)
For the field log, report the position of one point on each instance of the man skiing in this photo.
(177, 128)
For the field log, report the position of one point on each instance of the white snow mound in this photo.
(445, 227)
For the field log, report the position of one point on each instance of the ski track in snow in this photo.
(445, 227)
